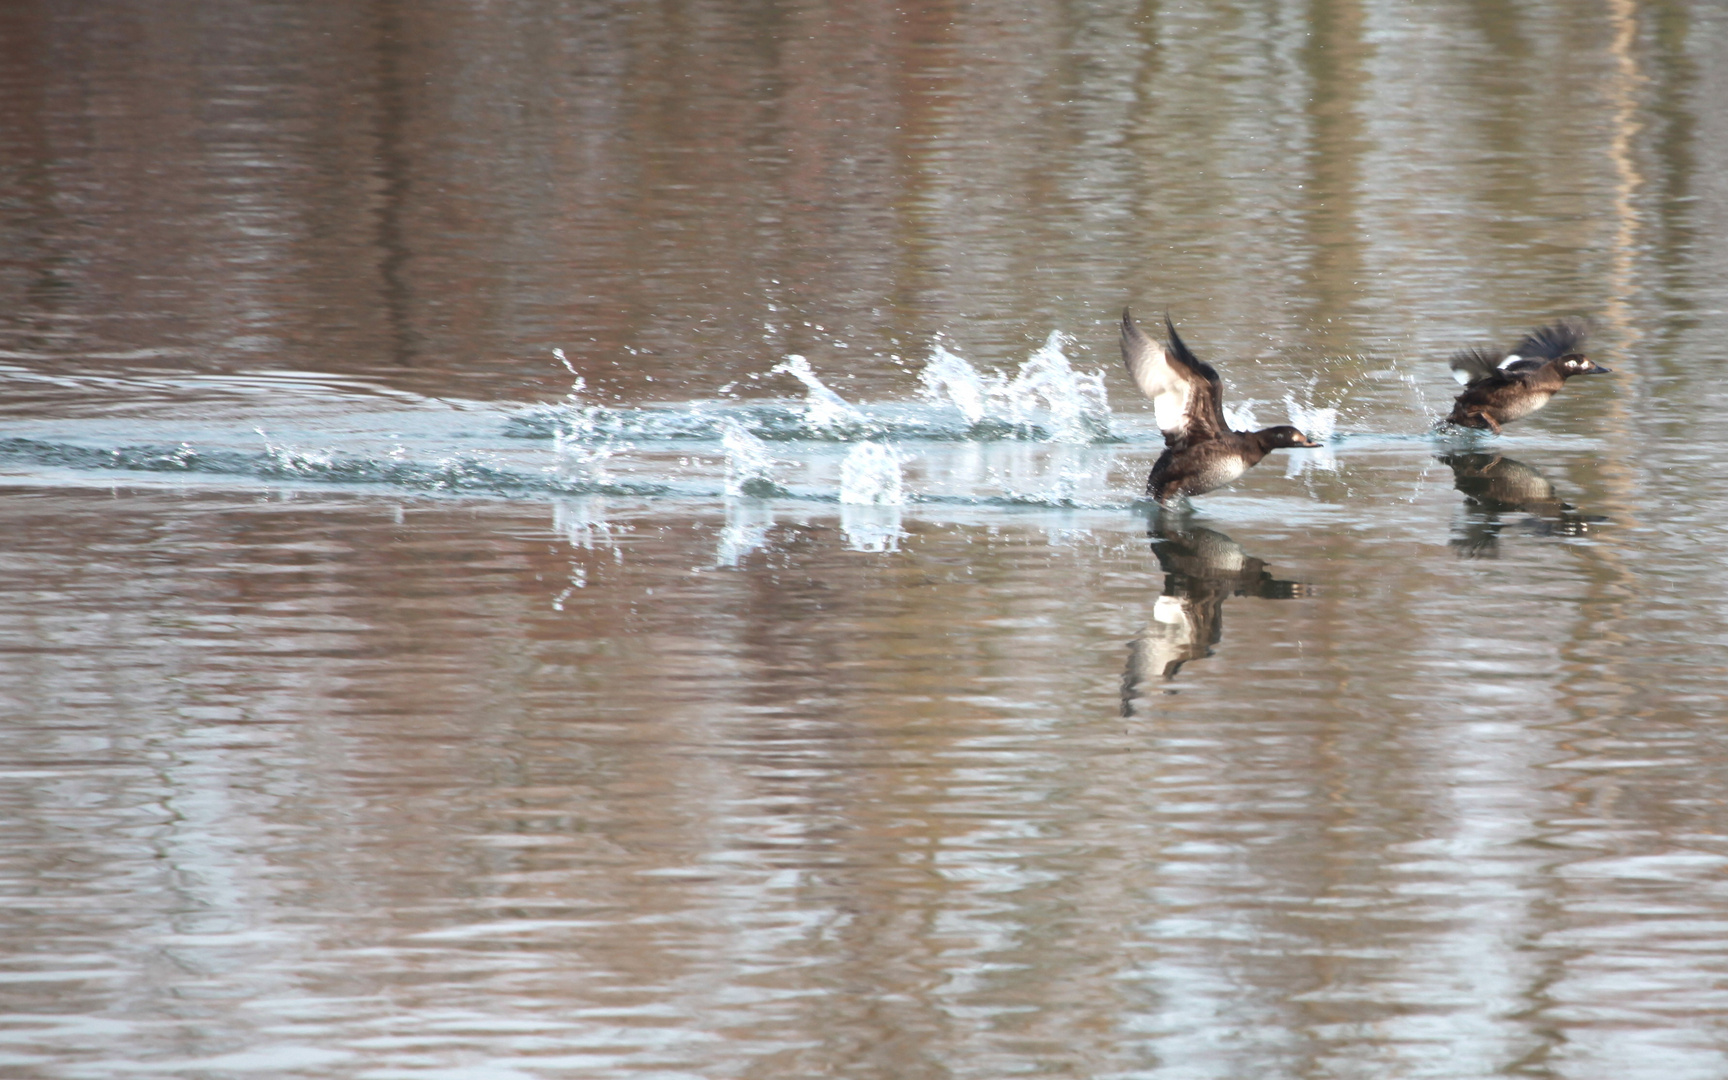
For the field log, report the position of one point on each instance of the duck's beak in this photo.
(1596, 369)
(1308, 443)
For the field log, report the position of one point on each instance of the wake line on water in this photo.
(1040, 435)
(456, 476)
(1045, 403)
(867, 481)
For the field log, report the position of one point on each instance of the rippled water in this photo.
(589, 540)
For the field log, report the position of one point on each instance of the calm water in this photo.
(599, 540)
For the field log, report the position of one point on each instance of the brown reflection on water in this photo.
(688, 191)
(377, 779)
(1333, 57)
(1494, 486)
(1202, 568)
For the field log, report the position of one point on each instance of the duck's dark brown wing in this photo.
(1471, 366)
(1554, 340)
(1187, 398)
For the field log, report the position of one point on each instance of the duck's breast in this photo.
(1517, 406)
(1219, 469)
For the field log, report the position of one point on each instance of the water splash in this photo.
(823, 408)
(748, 463)
(1318, 423)
(284, 459)
(870, 476)
(1414, 385)
(1315, 421)
(1046, 395)
(1078, 405)
(1025, 437)
(1045, 400)
(1241, 416)
(579, 450)
(558, 354)
(578, 415)
(948, 376)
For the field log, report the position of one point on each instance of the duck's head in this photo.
(1578, 364)
(1283, 436)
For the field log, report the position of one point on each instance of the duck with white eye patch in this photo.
(1502, 387)
(1201, 452)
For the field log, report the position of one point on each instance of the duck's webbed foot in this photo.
(1477, 418)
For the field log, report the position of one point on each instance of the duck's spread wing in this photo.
(1555, 340)
(1471, 366)
(1187, 398)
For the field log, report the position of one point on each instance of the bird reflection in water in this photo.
(1202, 568)
(1494, 486)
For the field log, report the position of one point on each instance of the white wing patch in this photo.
(1156, 375)
(1462, 376)
(1171, 407)
(1510, 360)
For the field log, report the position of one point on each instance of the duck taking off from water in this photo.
(1200, 450)
(1502, 387)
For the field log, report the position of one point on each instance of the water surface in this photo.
(577, 540)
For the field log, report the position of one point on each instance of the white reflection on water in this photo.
(746, 530)
(871, 494)
(584, 521)
(1299, 460)
(871, 528)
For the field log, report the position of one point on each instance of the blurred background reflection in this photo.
(385, 694)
